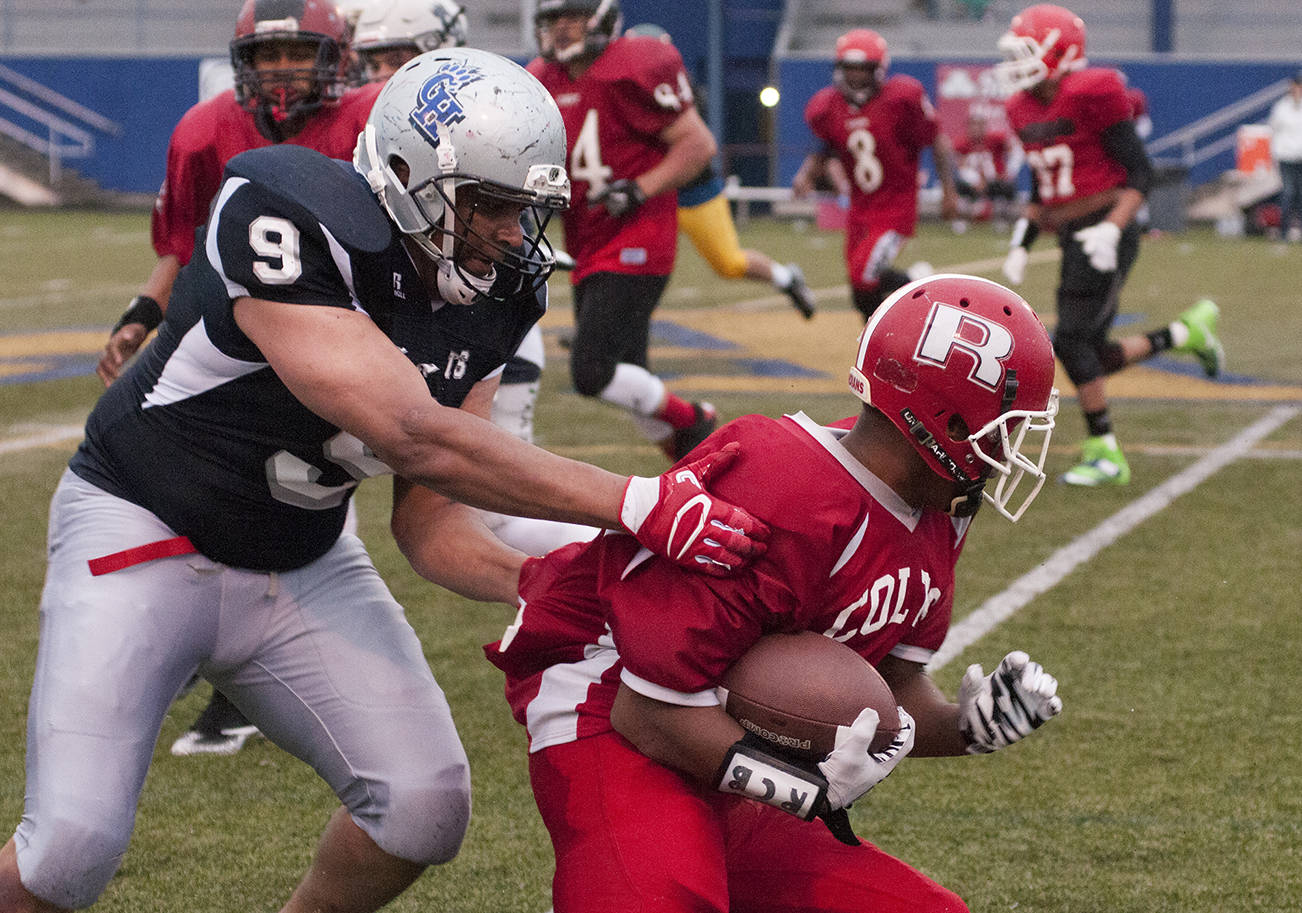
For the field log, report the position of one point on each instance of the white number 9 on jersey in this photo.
(275, 239)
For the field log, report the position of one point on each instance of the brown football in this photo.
(793, 690)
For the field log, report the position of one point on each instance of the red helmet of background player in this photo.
(1043, 42)
(964, 369)
(861, 62)
(270, 94)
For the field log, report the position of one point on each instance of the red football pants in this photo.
(633, 836)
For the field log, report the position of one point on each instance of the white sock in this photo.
(780, 276)
(634, 388)
(1179, 334)
(513, 409)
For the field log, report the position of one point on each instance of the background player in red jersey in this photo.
(875, 129)
(1090, 174)
(612, 661)
(289, 88)
(705, 216)
(987, 163)
(634, 137)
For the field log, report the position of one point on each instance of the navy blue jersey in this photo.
(202, 432)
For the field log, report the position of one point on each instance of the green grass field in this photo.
(1172, 780)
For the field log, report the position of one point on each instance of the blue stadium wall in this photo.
(147, 97)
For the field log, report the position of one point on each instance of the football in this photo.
(793, 690)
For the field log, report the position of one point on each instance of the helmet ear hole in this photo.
(957, 428)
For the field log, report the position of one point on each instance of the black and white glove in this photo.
(621, 198)
(1100, 244)
(851, 769)
(1006, 706)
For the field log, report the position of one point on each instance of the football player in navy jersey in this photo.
(339, 321)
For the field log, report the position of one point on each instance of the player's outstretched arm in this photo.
(339, 365)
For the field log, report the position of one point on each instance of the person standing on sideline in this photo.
(1089, 177)
(1286, 149)
(872, 129)
(634, 137)
(705, 216)
(655, 798)
(341, 320)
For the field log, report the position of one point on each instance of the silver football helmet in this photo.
(427, 25)
(458, 120)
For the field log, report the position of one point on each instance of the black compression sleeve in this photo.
(1124, 146)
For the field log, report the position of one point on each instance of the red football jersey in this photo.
(1064, 139)
(986, 158)
(215, 131)
(847, 558)
(614, 114)
(880, 145)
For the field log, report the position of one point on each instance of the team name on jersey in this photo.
(891, 599)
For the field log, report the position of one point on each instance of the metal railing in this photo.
(67, 125)
(1194, 143)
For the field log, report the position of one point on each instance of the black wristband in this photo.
(142, 310)
(751, 771)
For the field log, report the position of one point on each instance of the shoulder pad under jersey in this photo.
(327, 188)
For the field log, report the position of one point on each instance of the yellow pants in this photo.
(710, 228)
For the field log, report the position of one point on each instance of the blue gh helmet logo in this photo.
(437, 103)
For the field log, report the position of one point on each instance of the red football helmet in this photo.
(1043, 42)
(964, 368)
(269, 93)
(860, 48)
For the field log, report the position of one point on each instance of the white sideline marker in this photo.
(53, 435)
(1041, 579)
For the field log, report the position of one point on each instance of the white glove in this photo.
(1004, 707)
(1100, 244)
(851, 769)
(1014, 268)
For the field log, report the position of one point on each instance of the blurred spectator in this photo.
(988, 161)
(872, 129)
(1286, 149)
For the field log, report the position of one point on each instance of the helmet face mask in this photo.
(455, 136)
(964, 369)
(1043, 42)
(272, 95)
(602, 26)
(862, 59)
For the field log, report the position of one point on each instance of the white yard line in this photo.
(55, 434)
(1001, 607)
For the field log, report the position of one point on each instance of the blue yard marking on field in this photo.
(776, 367)
(674, 334)
(50, 367)
(1187, 368)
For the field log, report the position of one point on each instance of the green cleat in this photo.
(1203, 342)
(1102, 463)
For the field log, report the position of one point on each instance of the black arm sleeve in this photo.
(1124, 146)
